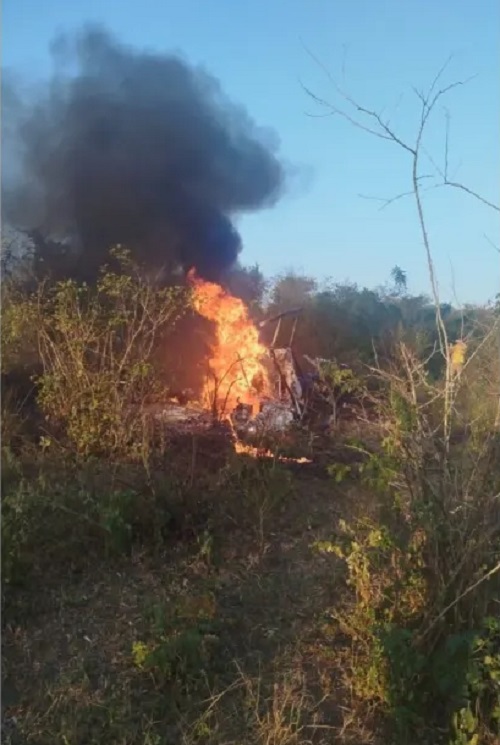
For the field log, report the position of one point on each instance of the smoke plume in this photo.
(142, 149)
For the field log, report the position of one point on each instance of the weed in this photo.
(259, 491)
(181, 642)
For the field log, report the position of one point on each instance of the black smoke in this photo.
(141, 149)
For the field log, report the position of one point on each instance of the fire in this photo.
(237, 372)
(256, 452)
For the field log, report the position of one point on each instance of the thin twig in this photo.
(462, 595)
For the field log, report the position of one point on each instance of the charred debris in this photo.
(299, 396)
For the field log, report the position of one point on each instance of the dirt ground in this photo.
(236, 614)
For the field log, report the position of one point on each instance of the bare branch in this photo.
(494, 246)
(463, 594)
(357, 115)
(385, 132)
(334, 110)
(446, 143)
(387, 202)
(440, 74)
(444, 172)
(472, 193)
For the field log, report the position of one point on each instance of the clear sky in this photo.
(378, 50)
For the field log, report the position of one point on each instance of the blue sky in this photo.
(378, 50)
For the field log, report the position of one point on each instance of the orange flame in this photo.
(256, 452)
(238, 374)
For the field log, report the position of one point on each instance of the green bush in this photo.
(56, 514)
(180, 642)
(97, 347)
(424, 571)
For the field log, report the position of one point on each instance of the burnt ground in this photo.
(235, 618)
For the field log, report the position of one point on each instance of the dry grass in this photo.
(69, 669)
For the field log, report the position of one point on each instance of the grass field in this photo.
(235, 612)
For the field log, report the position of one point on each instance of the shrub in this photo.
(424, 571)
(97, 348)
(55, 513)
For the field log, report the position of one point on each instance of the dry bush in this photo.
(97, 350)
(423, 619)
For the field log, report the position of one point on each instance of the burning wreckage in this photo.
(290, 388)
(252, 388)
(184, 164)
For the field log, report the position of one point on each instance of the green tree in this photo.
(400, 281)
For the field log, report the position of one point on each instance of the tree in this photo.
(247, 283)
(399, 279)
(291, 290)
